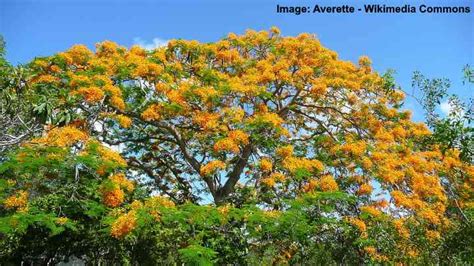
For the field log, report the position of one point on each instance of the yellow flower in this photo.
(269, 181)
(107, 48)
(278, 177)
(327, 183)
(430, 216)
(124, 121)
(274, 30)
(357, 148)
(112, 90)
(91, 94)
(208, 121)
(359, 224)
(135, 205)
(364, 189)
(122, 181)
(233, 114)
(433, 235)
(266, 165)
(16, 201)
(45, 79)
(285, 151)
(311, 185)
(137, 50)
(226, 144)
(412, 253)
(401, 229)
(270, 118)
(117, 102)
(113, 197)
(224, 210)
(366, 163)
(124, 225)
(148, 69)
(152, 113)
(55, 69)
(156, 201)
(292, 164)
(371, 210)
(77, 54)
(239, 136)
(61, 220)
(109, 155)
(211, 167)
(370, 250)
(63, 136)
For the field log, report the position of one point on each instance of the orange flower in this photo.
(16, 201)
(327, 183)
(61, 220)
(124, 225)
(152, 113)
(211, 167)
(359, 224)
(113, 197)
(311, 185)
(401, 229)
(266, 165)
(239, 136)
(292, 164)
(433, 235)
(91, 94)
(111, 156)
(124, 121)
(371, 210)
(117, 102)
(122, 181)
(63, 136)
(285, 151)
(370, 250)
(269, 181)
(364, 189)
(226, 144)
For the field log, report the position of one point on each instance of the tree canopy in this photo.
(254, 146)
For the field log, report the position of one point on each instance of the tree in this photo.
(454, 131)
(17, 122)
(282, 136)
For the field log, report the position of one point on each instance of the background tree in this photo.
(454, 131)
(17, 121)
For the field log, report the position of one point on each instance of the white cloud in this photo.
(155, 43)
(451, 109)
(445, 107)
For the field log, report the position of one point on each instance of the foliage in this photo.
(455, 130)
(17, 122)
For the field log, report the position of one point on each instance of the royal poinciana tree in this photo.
(252, 120)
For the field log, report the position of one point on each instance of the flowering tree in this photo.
(277, 123)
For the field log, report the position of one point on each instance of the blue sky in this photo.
(438, 45)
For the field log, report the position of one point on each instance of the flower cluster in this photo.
(327, 183)
(266, 165)
(17, 201)
(113, 196)
(292, 164)
(212, 167)
(124, 224)
(124, 121)
(62, 136)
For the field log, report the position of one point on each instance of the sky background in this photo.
(438, 45)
